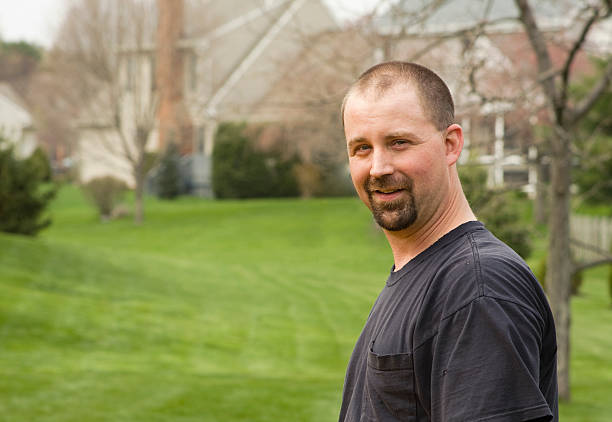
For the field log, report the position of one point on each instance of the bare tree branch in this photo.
(582, 267)
(538, 44)
(583, 107)
(592, 248)
(566, 69)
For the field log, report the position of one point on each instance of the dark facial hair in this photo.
(397, 214)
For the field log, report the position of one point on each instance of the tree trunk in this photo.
(559, 263)
(138, 200)
(541, 195)
(139, 178)
(140, 173)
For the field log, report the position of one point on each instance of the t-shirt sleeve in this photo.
(486, 364)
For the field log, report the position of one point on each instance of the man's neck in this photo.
(408, 243)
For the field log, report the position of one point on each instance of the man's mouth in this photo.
(387, 190)
(387, 194)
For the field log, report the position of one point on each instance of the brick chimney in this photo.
(172, 116)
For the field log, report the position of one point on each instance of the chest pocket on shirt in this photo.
(390, 388)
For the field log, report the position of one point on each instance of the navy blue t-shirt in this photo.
(462, 332)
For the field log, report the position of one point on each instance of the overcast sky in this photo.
(31, 20)
(37, 20)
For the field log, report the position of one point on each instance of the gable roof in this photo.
(242, 57)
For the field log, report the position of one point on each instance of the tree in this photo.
(593, 148)
(18, 62)
(23, 195)
(104, 54)
(564, 115)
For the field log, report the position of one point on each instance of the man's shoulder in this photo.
(502, 274)
(479, 265)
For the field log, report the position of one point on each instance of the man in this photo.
(462, 330)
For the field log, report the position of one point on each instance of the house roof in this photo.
(504, 60)
(241, 59)
(239, 49)
(452, 15)
(8, 92)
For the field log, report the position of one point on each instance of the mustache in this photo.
(388, 181)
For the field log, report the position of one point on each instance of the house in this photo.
(16, 123)
(287, 60)
(486, 71)
(211, 61)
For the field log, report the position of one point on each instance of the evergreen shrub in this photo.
(240, 170)
(40, 163)
(24, 195)
(168, 176)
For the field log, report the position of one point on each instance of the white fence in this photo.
(591, 236)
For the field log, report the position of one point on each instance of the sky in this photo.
(37, 21)
(31, 20)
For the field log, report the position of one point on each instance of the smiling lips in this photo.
(387, 194)
(388, 188)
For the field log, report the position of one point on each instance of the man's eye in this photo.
(362, 149)
(400, 142)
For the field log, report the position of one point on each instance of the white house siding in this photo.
(16, 124)
(98, 156)
(224, 78)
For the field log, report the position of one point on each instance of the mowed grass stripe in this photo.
(212, 311)
(126, 323)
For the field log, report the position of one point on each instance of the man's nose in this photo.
(381, 164)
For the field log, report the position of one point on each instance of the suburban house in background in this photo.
(212, 62)
(16, 123)
(490, 72)
(284, 61)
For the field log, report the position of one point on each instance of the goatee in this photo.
(397, 214)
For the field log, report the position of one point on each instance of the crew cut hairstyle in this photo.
(434, 96)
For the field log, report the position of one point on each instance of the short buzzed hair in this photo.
(434, 96)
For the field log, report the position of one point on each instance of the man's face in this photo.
(397, 157)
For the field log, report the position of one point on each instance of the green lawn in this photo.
(213, 311)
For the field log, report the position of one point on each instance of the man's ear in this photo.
(453, 142)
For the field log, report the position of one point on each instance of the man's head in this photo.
(402, 143)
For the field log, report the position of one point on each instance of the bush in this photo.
(576, 281)
(104, 193)
(242, 171)
(334, 178)
(23, 194)
(610, 283)
(610, 279)
(500, 210)
(168, 176)
(40, 163)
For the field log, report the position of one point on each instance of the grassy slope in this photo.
(215, 311)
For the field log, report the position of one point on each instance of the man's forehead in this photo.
(375, 93)
(370, 96)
